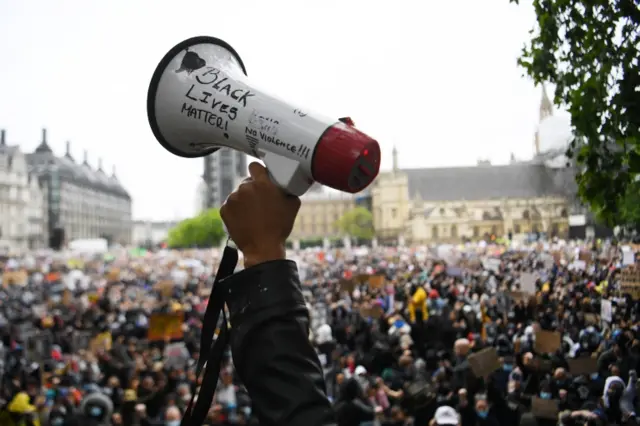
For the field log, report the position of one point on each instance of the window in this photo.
(434, 232)
(564, 213)
(394, 213)
(476, 231)
(454, 231)
(526, 215)
(516, 228)
(441, 211)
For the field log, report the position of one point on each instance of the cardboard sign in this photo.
(375, 311)
(165, 288)
(67, 297)
(347, 285)
(544, 408)
(547, 342)
(15, 278)
(376, 281)
(580, 366)
(484, 363)
(113, 275)
(163, 326)
(101, 343)
(630, 281)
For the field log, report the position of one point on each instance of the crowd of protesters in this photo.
(474, 335)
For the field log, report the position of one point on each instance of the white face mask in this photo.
(172, 423)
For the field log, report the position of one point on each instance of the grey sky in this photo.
(437, 79)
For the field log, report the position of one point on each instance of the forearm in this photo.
(271, 349)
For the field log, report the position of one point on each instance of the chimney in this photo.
(3, 134)
(68, 153)
(86, 158)
(100, 164)
(113, 171)
(44, 136)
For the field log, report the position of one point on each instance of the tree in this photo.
(204, 230)
(588, 50)
(357, 223)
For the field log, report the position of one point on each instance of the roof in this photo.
(519, 180)
(41, 161)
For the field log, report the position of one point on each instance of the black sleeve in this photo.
(271, 349)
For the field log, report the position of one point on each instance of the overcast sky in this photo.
(437, 79)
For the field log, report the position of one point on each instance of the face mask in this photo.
(507, 367)
(594, 376)
(95, 411)
(172, 423)
(545, 395)
(483, 414)
(58, 421)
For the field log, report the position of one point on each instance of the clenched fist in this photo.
(259, 217)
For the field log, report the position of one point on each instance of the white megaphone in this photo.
(200, 100)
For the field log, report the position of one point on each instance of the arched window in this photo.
(526, 215)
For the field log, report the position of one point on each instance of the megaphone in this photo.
(200, 100)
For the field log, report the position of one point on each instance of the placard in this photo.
(606, 311)
(376, 281)
(580, 366)
(101, 343)
(485, 362)
(528, 282)
(547, 342)
(630, 281)
(544, 408)
(163, 326)
(15, 278)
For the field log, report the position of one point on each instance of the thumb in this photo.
(258, 172)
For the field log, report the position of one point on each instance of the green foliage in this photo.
(589, 50)
(630, 211)
(204, 230)
(357, 223)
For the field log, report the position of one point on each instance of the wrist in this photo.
(263, 254)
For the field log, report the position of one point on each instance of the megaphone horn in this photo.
(200, 100)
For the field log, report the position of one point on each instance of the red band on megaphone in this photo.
(345, 159)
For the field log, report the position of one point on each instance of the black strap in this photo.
(211, 352)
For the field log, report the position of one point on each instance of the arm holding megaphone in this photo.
(269, 321)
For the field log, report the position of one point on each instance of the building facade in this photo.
(223, 171)
(320, 210)
(485, 201)
(22, 208)
(82, 201)
(148, 233)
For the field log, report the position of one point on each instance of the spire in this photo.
(85, 160)
(546, 106)
(100, 165)
(68, 151)
(44, 146)
(394, 155)
(113, 171)
(3, 135)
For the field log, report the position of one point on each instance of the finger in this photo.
(258, 172)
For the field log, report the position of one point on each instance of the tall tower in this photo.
(546, 110)
(394, 157)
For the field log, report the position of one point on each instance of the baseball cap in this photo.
(446, 416)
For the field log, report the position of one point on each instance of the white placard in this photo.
(606, 311)
(528, 282)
